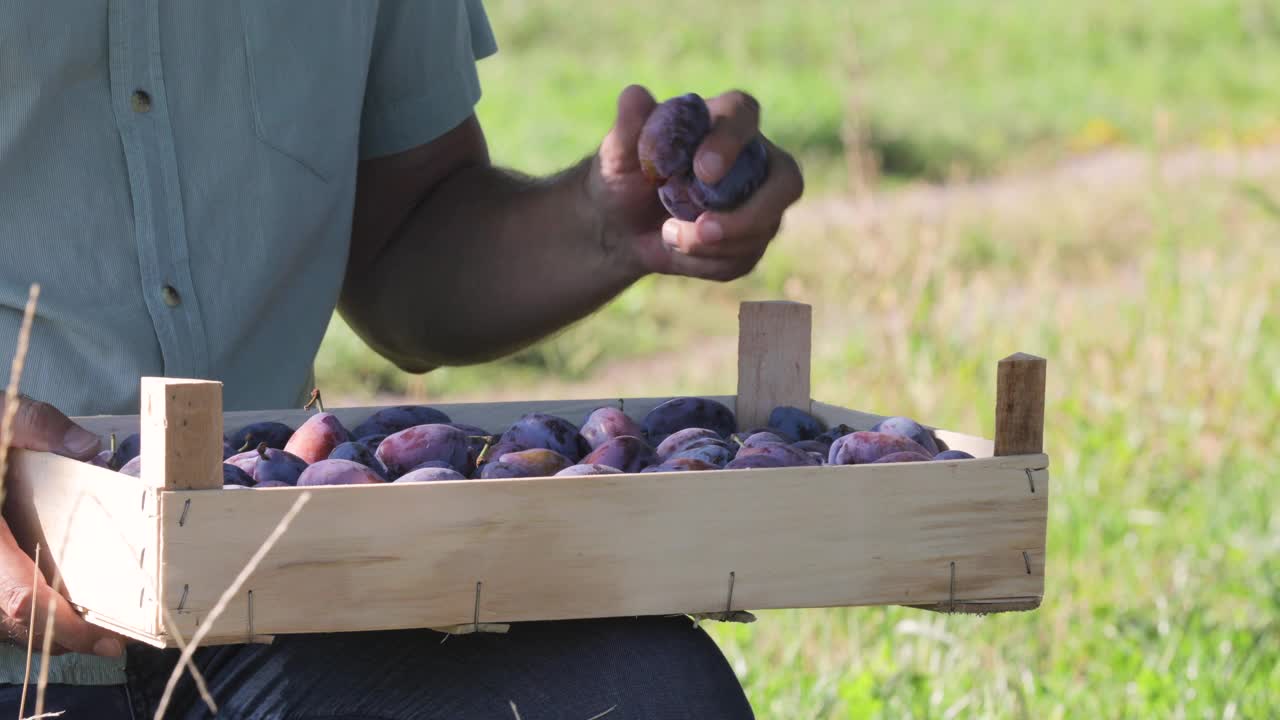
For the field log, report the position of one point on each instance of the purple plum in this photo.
(540, 430)
(743, 178)
(535, 462)
(589, 469)
(900, 457)
(712, 453)
(359, 452)
(817, 446)
(671, 135)
(785, 454)
(687, 412)
(908, 428)
(681, 464)
(338, 472)
(126, 450)
(274, 434)
(796, 423)
(865, 447)
(953, 455)
(133, 467)
(627, 453)
(406, 449)
(675, 197)
(754, 461)
(682, 439)
(390, 420)
(232, 475)
(429, 474)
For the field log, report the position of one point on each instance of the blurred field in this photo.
(1148, 274)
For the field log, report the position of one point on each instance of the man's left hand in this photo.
(718, 245)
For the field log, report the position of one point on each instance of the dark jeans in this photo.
(627, 669)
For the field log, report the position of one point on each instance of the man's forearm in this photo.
(487, 264)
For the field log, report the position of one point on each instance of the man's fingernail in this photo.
(671, 234)
(108, 647)
(79, 441)
(710, 164)
(711, 231)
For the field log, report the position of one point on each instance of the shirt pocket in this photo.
(307, 61)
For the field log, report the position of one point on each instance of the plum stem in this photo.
(248, 443)
(315, 400)
(113, 442)
(262, 450)
(484, 452)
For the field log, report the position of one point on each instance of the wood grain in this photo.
(99, 528)
(398, 556)
(181, 427)
(774, 343)
(1020, 386)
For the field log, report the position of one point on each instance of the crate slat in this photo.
(399, 556)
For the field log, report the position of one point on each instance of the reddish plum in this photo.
(908, 428)
(606, 423)
(317, 437)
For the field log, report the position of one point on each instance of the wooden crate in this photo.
(143, 555)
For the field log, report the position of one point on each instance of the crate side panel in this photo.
(394, 556)
(494, 417)
(833, 414)
(98, 528)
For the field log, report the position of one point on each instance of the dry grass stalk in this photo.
(224, 600)
(15, 376)
(31, 636)
(43, 680)
(201, 686)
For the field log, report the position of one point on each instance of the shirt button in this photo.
(170, 295)
(141, 101)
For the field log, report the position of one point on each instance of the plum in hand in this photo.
(744, 177)
(671, 135)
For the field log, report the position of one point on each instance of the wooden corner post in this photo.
(181, 433)
(1020, 382)
(774, 346)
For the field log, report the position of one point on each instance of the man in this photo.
(197, 185)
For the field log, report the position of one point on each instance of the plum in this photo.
(359, 452)
(429, 474)
(817, 446)
(908, 428)
(715, 454)
(763, 437)
(372, 441)
(102, 459)
(491, 453)
(671, 135)
(133, 467)
(317, 437)
(337, 472)
(477, 439)
(740, 438)
(627, 453)
(274, 434)
(589, 469)
(754, 461)
(535, 462)
(606, 423)
(234, 476)
(390, 420)
(904, 456)
(541, 430)
(785, 454)
(227, 450)
(681, 464)
(270, 464)
(865, 446)
(682, 439)
(406, 449)
(743, 178)
(126, 451)
(687, 412)
(834, 433)
(953, 455)
(675, 197)
(271, 484)
(796, 423)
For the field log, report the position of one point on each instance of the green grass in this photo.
(1157, 304)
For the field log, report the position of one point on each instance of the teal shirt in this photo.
(179, 177)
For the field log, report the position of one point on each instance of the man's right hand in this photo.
(39, 426)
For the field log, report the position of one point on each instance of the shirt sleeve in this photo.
(422, 74)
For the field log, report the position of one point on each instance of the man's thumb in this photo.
(40, 426)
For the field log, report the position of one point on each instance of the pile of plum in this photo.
(414, 443)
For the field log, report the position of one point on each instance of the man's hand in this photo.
(39, 426)
(718, 245)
